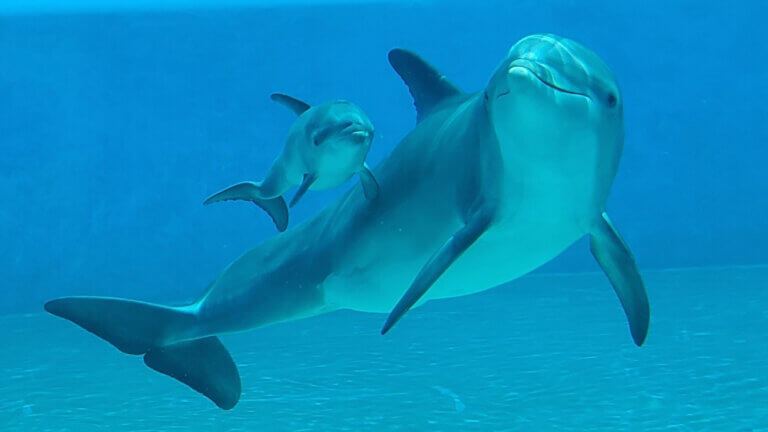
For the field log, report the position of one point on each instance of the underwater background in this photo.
(118, 118)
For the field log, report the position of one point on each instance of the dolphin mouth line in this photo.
(356, 131)
(547, 83)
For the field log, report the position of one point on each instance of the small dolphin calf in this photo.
(326, 145)
(487, 187)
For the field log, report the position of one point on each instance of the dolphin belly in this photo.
(549, 216)
(501, 255)
(551, 213)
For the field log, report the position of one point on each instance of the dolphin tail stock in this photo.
(253, 192)
(139, 328)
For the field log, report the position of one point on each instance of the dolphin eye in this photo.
(611, 100)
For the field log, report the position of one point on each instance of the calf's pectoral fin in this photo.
(250, 191)
(477, 224)
(617, 262)
(309, 178)
(370, 185)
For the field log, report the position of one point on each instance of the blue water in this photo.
(118, 120)
(544, 353)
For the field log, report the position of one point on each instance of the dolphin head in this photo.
(340, 125)
(552, 97)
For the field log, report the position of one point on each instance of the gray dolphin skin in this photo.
(326, 145)
(486, 187)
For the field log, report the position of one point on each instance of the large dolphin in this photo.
(487, 187)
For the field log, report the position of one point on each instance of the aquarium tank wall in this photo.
(119, 118)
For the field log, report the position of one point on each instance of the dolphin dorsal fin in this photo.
(292, 103)
(428, 86)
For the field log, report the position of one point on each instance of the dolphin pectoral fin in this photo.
(439, 263)
(309, 178)
(617, 262)
(250, 191)
(292, 103)
(370, 185)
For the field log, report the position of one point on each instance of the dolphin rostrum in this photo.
(326, 145)
(487, 187)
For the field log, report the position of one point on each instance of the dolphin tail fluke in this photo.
(203, 364)
(250, 191)
(140, 328)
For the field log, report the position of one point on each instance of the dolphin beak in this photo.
(530, 69)
(519, 71)
(357, 132)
